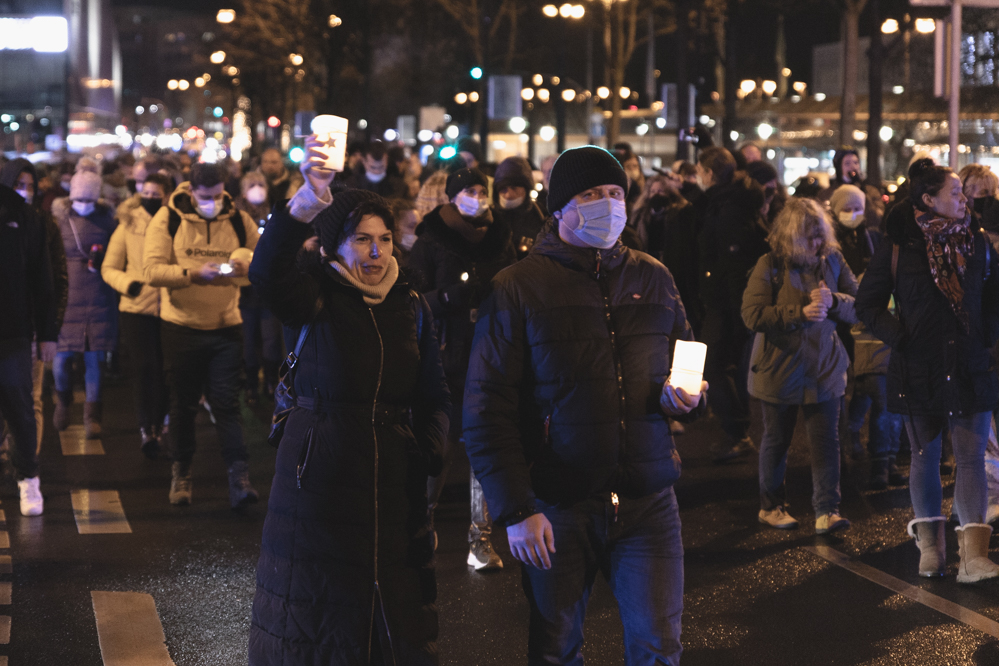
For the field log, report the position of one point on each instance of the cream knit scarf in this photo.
(373, 293)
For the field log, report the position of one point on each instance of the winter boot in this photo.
(895, 477)
(973, 547)
(879, 473)
(64, 399)
(929, 536)
(93, 413)
(180, 484)
(241, 493)
(150, 443)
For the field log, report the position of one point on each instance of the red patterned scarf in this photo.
(949, 244)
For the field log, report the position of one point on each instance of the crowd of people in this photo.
(526, 317)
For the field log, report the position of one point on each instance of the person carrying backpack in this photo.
(187, 243)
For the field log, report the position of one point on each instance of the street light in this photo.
(226, 16)
(461, 98)
(527, 94)
(183, 84)
(547, 133)
(217, 58)
(551, 11)
(799, 87)
(603, 92)
(199, 82)
(544, 95)
(296, 59)
(517, 125)
(889, 27)
(538, 79)
(578, 11)
(886, 133)
(769, 87)
(172, 84)
(625, 92)
(747, 86)
(568, 94)
(473, 97)
(925, 26)
(786, 72)
(335, 21)
(765, 130)
(565, 11)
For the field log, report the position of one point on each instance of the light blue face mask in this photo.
(601, 222)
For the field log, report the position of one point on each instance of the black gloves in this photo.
(134, 289)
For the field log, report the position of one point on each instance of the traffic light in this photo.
(476, 73)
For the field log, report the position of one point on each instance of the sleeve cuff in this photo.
(305, 205)
(517, 516)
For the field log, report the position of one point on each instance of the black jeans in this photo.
(195, 360)
(17, 406)
(140, 336)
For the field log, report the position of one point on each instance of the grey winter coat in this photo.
(795, 361)
(91, 319)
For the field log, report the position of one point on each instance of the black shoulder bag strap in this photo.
(284, 394)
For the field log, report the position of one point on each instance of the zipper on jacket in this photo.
(377, 591)
(303, 460)
(601, 284)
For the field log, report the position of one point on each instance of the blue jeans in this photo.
(871, 392)
(822, 426)
(62, 371)
(968, 435)
(640, 555)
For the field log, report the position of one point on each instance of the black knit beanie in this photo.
(462, 179)
(761, 172)
(330, 223)
(513, 172)
(579, 169)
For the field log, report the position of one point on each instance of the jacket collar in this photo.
(182, 203)
(550, 244)
(492, 245)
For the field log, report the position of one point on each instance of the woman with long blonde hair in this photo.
(796, 295)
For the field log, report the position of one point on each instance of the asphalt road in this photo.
(753, 595)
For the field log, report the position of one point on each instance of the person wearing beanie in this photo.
(21, 175)
(90, 321)
(375, 176)
(470, 151)
(566, 418)
(28, 328)
(868, 355)
(368, 426)
(189, 252)
(514, 203)
(459, 247)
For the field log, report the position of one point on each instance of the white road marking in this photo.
(4, 539)
(99, 512)
(4, 629)
(74, 443)
(5, 564)
(919, 595)
(129, 630)
(5, 590)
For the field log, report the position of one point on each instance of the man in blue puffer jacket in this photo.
(566, 419)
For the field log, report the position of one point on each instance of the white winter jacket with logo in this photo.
(167, 262)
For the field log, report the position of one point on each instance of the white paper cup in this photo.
(332, 131)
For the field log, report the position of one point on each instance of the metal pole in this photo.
(589, 78)
(955, 80)
(875, 101)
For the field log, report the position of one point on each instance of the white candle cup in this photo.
(332, 131)
(688, 366)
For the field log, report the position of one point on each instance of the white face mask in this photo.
(25, 194)
(851, 219)
(407, 241)
(209, 209)
(83, 208)
(510, 204)
(256, 195)
(471, 206)
(376, 177)
(601, 222)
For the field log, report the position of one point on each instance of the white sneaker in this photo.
(32, 502)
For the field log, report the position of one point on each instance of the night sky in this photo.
(807, 23)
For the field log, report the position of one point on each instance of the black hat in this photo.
(330, 223)
(579, 169)
(514, 172)
(762, 172)
(462, 179)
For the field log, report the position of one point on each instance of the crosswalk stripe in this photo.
(4, 629)
(129, 629)
(99, 512)
(75, 443)
(5, 564)
(919, 595)
(4, 539)
(5, 591)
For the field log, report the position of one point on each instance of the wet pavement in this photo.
(753, 595)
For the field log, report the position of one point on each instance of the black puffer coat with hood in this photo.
(571, 351)
(936, 367)
(346, 561)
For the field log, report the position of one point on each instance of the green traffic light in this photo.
(476, 73)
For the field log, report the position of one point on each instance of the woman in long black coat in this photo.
(346, 573)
